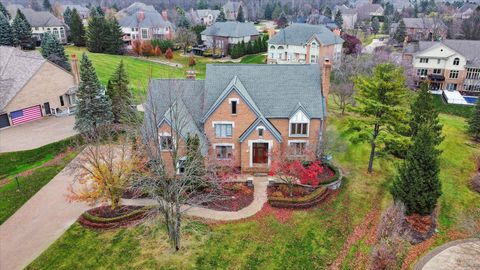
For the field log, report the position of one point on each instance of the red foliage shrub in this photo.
(352, 44)
(137, 47)
(169, 53)
(158, 52)
(147, 48)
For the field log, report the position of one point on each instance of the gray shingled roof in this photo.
(422, 23)
(152, 19)
(41, 18)
(468, 48)
(300, 34)
(467, 6)
(16, 69)
(231, 29)
(136, 7)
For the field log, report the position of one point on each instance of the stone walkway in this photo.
(38, 223)
(259, 199)
(458, 255)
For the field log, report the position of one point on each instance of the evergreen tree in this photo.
(183, 22)
(22, 31)
(4, 11)
(375, 25)
(6, 35)
(474, 123)
(327, 12)
(47, 6)
(54, 51)
(94, 109)
(268, 12)
(277, 11)
(386, 25)
(221, 17)
(417, 183)
(202, 4)
(113, 40)
(240, 16)
(77, 31)
(96, 34)
(35, 6)
(339, 19)
(67, 16)
(119, 94)
(401, 32)
(195, 160)
(424, 113)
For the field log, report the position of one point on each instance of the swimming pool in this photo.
(471, 100)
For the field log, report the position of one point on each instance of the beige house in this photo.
(31, 87)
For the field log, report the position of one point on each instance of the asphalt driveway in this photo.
(36, 134)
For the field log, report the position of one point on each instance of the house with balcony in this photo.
(451, 64)
(242, 113)
(223, 35)
(144, 25)
(305, 44)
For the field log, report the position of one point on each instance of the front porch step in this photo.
(260, 174)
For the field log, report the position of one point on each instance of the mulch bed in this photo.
(326, 175)
(235, 196)
(302, 196)
(104, 218)
(283, 191)
(131, 193)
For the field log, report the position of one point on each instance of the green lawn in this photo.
(458, 110)
(19, 190)
(308, 239)
(254, 59)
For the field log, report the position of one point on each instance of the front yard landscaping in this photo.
(236, 195)
(24, 173)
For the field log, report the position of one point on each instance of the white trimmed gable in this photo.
(440, 56)
(299, 117)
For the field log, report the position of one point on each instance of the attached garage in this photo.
(26, 115)
(4, 120)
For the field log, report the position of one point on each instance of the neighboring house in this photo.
(133, 9)
(349, 16)
(322, 20)
(32, 87)
(450, 64)
(242, 113)
(82, 11)
(43, 22)
(465, 11)
(421, 29)
(146, 25)
(304, 44)
(369, 11)
(231, 10)
(203, 16)
(223, 35)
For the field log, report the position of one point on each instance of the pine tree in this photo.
(67, 16)
(339, 19)
(240, 16)
(424, 113)
(96, 34)
(221, 17)
(113, 40)
(54, 51)
(119, 94)
(6, 35)
(268, 12)
(474, 123)
(327, 12)
(94, 109)
(46, 5)
(375, 25)
(401, 32)
(386, 25)
(417, 183)
(22, 31)
(4, 11)
(77, 31)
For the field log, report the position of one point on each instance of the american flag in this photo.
(25, 115)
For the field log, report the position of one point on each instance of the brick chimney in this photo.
(75, 72)
(140, 16)
(165, 15)
(326, 71)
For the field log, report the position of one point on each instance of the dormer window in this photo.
(299, 124)
(298, 129)
(456, 61)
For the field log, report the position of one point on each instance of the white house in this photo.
(304, 44)
(43, 22)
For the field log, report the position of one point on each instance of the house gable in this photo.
(261, 122)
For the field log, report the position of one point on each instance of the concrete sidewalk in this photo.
(38, 223)
(458, 255)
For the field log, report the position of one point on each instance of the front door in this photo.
(46, 105)
(260, 153)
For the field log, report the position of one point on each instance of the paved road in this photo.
(36, 133)
(458, 255)
(38, 223)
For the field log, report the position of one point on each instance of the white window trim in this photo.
(223, 123)
(233, 99)
(165, 134)
(290, 122)
(223, 144)
(178, 163)
(298, 141)
(250, 146)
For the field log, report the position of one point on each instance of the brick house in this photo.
(423, 29)
(223, 35)
(31, 87)
(304, 44)
(450, 64)
(242, 113)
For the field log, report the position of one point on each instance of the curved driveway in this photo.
(458, 255)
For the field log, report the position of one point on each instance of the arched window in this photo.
(280, 47)
(272, 47)
(456, 61)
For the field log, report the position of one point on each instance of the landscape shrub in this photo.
(252, 47)
(475, 183)
(134, 213)
(169, 54)
(316, 193)
(164, 45)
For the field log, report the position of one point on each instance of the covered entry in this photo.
(260, 153)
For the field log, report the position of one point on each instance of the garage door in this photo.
(26, 115)
(4, 120)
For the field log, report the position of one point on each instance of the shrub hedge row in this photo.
(303, 202)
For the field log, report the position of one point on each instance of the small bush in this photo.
(169, 54)
(277, 194)
(475, 183)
